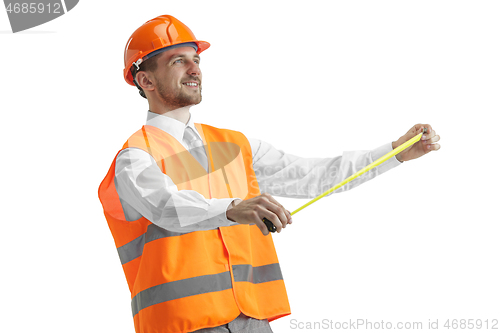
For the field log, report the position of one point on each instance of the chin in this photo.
(195, 100)
(187, 101)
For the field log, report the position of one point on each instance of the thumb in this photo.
(417, 129)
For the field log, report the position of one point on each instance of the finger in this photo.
(279, 210)
(274, 220)
(264, 212)
(419, 128)
(415, 130)
(429, 135)
(435, 147)
(428, 130)
(290, 220)
(260, 223)
(431, 147)
(432, 140)
(283, 217)
(263, 228)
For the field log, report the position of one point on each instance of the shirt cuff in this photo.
(381, 151)
(222, 205)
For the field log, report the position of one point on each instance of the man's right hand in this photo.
(255, 209)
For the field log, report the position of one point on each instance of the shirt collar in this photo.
(170, 125)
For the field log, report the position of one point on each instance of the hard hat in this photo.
(158, 33)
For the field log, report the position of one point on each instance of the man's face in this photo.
(178, 77)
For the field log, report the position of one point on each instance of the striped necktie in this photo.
(195, 146)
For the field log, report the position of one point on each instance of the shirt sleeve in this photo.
(144, 190)
(287, 175)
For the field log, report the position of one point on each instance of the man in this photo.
(184, 205)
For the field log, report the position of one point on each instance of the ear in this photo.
(145, 80)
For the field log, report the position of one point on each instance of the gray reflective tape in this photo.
(258, 274)
(182, 288)
(155, 232)
(133, 249)
(204, 284)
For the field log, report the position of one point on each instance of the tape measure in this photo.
(272, 228)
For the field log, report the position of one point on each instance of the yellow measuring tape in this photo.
(365, 169)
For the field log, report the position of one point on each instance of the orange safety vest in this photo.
(182, 282)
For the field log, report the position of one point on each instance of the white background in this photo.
(314, 78)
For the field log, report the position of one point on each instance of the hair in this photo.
(148, 65)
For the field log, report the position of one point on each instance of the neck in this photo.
(180, 114)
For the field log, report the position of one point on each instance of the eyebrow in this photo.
(182, 55)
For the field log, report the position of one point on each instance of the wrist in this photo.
(230, 207)
(396, 144)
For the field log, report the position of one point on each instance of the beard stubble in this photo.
(178, 99)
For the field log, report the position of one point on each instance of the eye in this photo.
(178, 61)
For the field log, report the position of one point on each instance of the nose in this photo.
(194, 69)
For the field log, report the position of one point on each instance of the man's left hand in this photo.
(426, 144)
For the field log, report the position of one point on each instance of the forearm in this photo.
(287, 175)
(145, 191)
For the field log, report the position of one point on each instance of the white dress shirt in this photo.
(144, 190)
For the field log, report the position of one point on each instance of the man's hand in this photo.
(255, 209)
(426, 144)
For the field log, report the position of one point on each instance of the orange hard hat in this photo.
(158, 33)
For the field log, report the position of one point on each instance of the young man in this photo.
(184, 204)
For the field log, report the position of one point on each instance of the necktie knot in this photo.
(191, 138)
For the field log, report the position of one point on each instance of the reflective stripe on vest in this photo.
(133, 250)
(181, 282)
(204, 284)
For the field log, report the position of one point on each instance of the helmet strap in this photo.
(141, 92)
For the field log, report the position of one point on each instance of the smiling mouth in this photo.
(191, 84)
